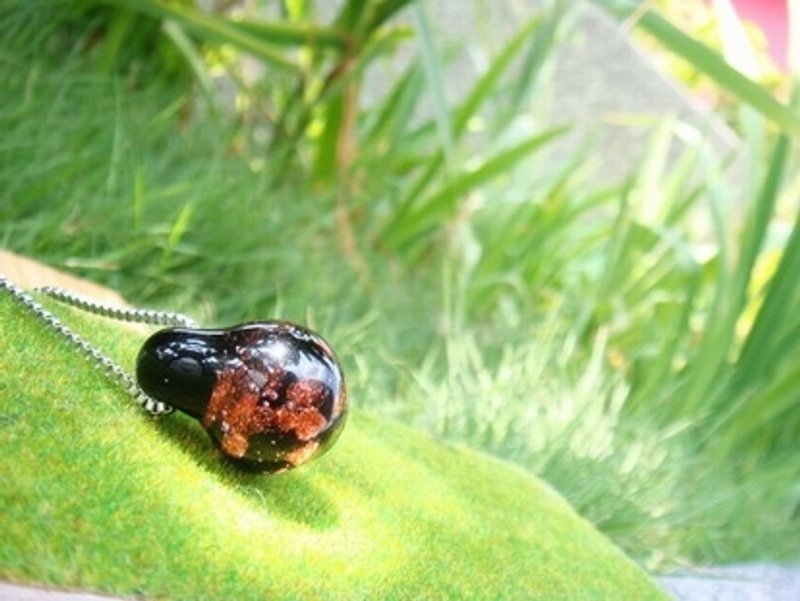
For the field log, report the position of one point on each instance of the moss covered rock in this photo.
(97, 495)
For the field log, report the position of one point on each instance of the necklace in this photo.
(270, 394)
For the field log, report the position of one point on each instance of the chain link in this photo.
(90, 352)
(159, 318)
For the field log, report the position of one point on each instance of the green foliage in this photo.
(317, 66)
(98, 496)
(710, 63)
(634, 343)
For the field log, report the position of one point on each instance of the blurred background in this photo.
(562, 233)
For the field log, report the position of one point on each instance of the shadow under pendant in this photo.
(270, 394)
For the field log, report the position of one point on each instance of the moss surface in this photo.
(96, 495)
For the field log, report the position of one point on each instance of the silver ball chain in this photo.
(157, 318)
(89, 351)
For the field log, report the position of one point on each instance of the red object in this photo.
(772, 18)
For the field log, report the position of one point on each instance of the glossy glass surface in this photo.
(270, 394)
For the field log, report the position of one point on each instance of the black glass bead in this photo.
(270, 394)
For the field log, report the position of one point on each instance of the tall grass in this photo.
(637, 344)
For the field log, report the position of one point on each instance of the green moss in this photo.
(97, 495)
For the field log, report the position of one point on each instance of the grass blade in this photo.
(760, 217)
(215, 29)
(194, 58)
(288, 33)
(714, 66)
(711, 367)
(489, 80)
(435, 76)
(442, 202)
(540, 49)
(759, 351)
(396, 110)
(457, 123)
(176, 233)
